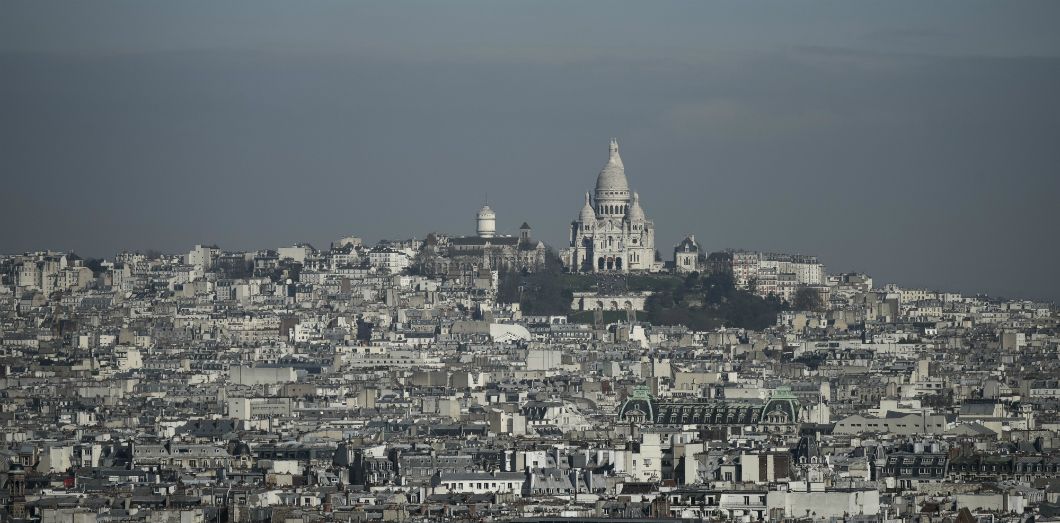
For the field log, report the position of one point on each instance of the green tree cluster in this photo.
(807, 299)
(540, 292)
(706, 302)
(700, 302)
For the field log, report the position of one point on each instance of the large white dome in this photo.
(613, 176)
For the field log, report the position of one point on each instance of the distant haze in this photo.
(916, 141)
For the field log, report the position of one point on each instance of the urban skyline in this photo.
(682, 261)
(507, 227)
(929, 134)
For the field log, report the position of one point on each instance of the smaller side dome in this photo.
(587, 214)
(636, 214)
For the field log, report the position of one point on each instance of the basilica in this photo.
(611, 233)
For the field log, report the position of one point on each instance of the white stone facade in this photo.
(591, 301)
(611, 233)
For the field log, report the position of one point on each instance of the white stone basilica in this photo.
(611, 233)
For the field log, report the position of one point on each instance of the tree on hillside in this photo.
(807, 299)
(710, 301)
(96, 264)
(718, 288)
(539, 292)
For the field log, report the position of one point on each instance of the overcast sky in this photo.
(916, 141)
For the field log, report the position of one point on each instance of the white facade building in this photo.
(480, 483)
(611, 234)
(391, 259)
(202, 257)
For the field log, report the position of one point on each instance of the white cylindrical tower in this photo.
(486, 220)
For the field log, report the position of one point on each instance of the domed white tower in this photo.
(587, 216)
(636, 213)
(612, 188)
(611, 233)
(486, 220)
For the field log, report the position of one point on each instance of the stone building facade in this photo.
(486, 250)
(612, 233)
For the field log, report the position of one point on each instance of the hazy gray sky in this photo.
(916, 141)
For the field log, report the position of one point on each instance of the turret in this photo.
(587, 215)
(636, 214)
(486, 220)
